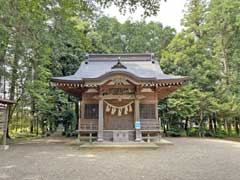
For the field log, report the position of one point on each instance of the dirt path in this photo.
(60, 159)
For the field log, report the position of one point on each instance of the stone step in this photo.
(119, 145)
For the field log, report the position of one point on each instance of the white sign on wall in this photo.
(137, 125)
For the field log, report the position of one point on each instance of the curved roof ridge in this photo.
(124, 57)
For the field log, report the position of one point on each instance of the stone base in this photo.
(130, 144)
(120, 136)
(119, 145)
(138, 136)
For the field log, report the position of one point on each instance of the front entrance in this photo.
(116, 121)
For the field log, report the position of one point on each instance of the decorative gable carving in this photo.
(119, 65)
(119, 81)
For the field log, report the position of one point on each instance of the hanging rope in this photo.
(119, 109)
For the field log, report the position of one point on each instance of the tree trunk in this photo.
(12, 92)
(237, 119)
(43, 125)
(200, 133)
(17, 122)
(37, 121)
(3, 69)
(210, 121)
(14, 77)
(237, 126)
(186, 126)
(224, 124)
(31, 125)
(229, 128)
(214, 123)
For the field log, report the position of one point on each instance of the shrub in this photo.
(173, 134)
(193, 132)
(221, 134)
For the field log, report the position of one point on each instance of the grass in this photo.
(19, 137)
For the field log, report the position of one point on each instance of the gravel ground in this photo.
(187, 159)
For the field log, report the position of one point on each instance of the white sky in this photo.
(170, 14)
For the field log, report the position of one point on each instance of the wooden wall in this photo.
(115, 122)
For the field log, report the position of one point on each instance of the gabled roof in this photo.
(139, 66)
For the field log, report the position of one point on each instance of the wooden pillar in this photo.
(158, 118)
(137, 118)
(100, 121)
(79, 120)
(156, 110)
(136, 110)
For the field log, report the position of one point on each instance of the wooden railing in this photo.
(150, 124)
(88, 126)
(146, 124)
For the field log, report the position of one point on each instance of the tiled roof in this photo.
(141, 66)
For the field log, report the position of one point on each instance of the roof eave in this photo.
(62, 80)
(6, 101)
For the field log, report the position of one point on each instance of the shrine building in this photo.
(119, 95)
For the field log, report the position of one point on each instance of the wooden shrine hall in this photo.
(119, 96)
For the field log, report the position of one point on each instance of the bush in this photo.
(221, 134)
(24, 135)
(176, 133)
(173, 134)
(209, 133)
(193, 132)
(71, 134)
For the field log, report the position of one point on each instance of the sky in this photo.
(171, 13)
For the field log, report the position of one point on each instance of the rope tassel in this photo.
(130, 107)
(120, 109)
(120, 112)
(126, 110)
(108, 109)
(113, 111)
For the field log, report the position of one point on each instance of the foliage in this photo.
(150, 7)
(206, 51)
(111, 36)
(40, 39)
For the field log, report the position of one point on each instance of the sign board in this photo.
(137, 125)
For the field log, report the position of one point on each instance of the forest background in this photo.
(44, 38)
